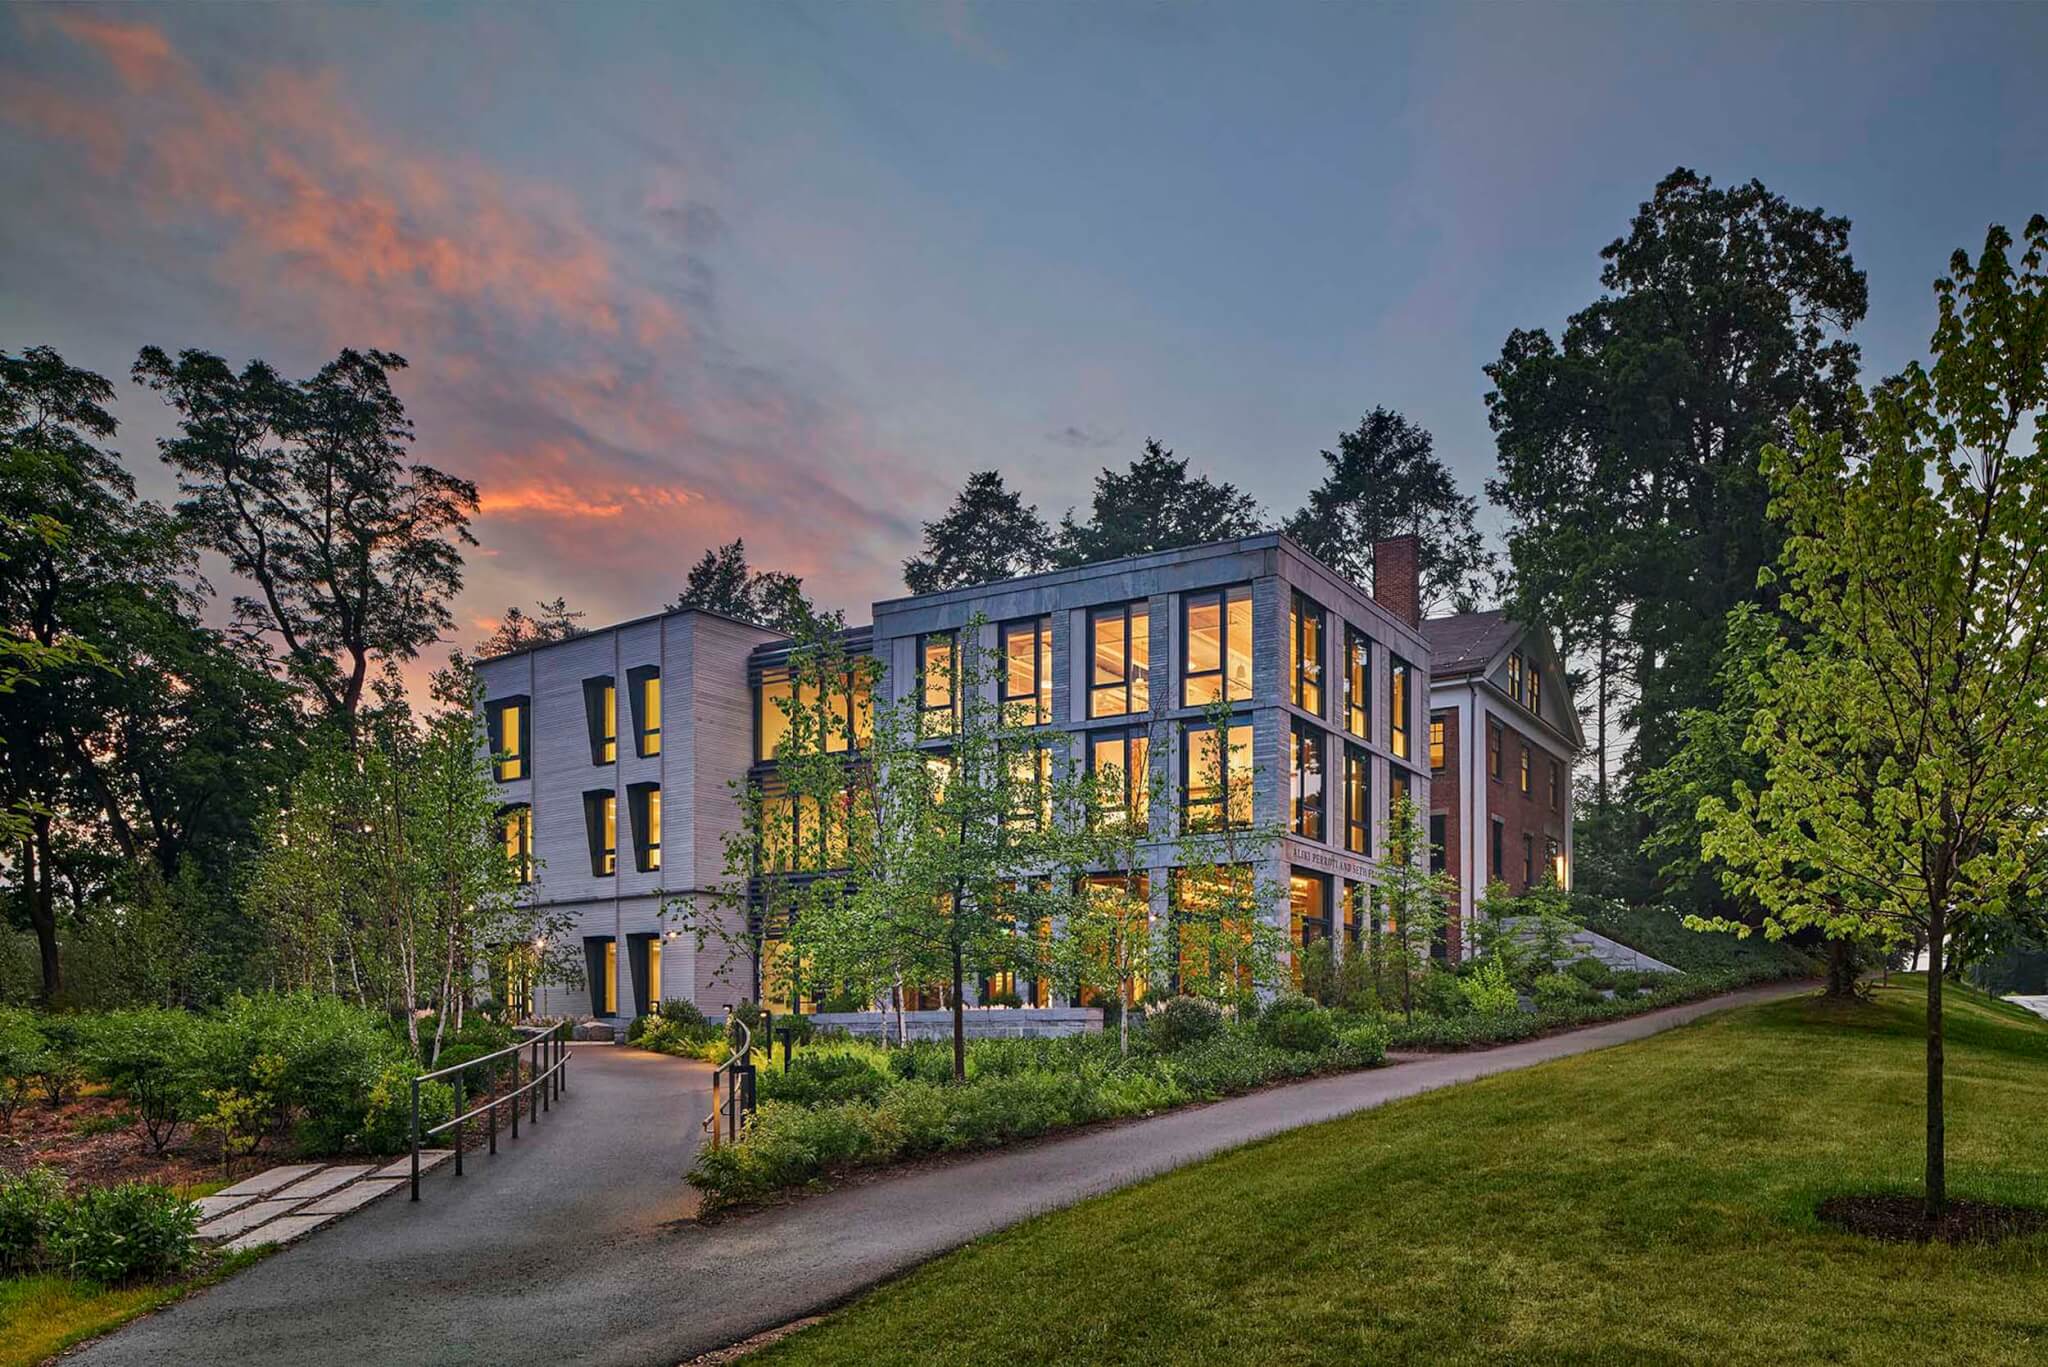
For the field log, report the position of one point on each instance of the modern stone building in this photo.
(618, 751)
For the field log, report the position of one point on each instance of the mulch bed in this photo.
(42, 1136)
(1895, 1219)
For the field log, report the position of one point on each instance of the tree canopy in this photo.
(1384, 480)
(989, 533)
(1155, 505)
(721, 581)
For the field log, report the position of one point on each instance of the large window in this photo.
(645, 683)
(1357, 682)
(1308, 909)
(1216, 775)
(846, 712)
(1305, 655)
(508, 722)
(1400, 787)
(1357, 800)
(1027, 672)
(601, 714)
(646, 803)
(1127, 753)
(938, 683)
(516, 825)
(1031, 786)
(601, 828)
(1126, 897)
(1398, 708)
(1216, 646)
(802, 834)
(1436, 742)
(1305, 782)
(1119, 660)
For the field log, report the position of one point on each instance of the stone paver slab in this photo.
(220, 1203)
(247, 1218)
(324, 1181)
(281, 1231)
(264, 1183)
(429, 1160)
(353, 1195)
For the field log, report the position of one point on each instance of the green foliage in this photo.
(154, 1057)
(1554, 991)
(817, 1076)
(1660, 932)
(30, 1204)
(1592, 972)
(1296, 1023)
(1488, 990)
(21, 1054)
(680, 1011)
(1385, 480)
(115, 1235)
(1155, 505)
(1438, 992)
(989, 533)
(1179, 1022)
(1319, 979)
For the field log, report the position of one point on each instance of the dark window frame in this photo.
(1133, 677)
(1221, 673)
(950, 709)
(523, 861)
(603, 749)
(646, 853)
(1439, 741)
(1357, 799)
(604, 863)
(1308, 814)
(1528, 861)
(1312, 927)
(494, 727)
(1357, 683)
(1525, 778)
(1040, 696)
(1496, 741)
(1439, 833)
(1306, 617)
(1221, 801)
(1498, 849)
(1400, 707)
(1137, 778)
(637, 679)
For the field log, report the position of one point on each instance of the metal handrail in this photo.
(743, 1055)
(542, 1087)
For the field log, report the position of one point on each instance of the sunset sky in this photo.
(671, 274)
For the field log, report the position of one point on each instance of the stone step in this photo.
(324, 1181)
(247, 1218)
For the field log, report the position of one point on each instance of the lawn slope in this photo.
(1648, 1203)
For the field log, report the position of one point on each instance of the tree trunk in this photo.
(959, 1014)
(1600, 743)
(1937, 1173)
(1841, 969)
(42, 908)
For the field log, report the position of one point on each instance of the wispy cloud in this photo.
(1083, 438)
(581, 381)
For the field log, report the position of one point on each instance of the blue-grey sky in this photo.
(674, 273)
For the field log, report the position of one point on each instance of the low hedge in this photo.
(1475, 1030)
(843, 1105)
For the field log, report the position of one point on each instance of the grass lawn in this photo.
(1650, 1203)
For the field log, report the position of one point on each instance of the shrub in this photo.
(1488, 990)
(1318, 964)
(635, 1029)
(1295, 1023)
(1440, 992)
(1555, 990)
(815, 1077)
(1179, 1022)
(21, 1058)
(1594, 973)
(911, 1120)
(386, 1125)
(30, 1203)
(1365, 1041)
(680, 1011)
(153, 1057)
(113, 1235)
(307, 1059)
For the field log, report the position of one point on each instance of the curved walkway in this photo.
(571, 1250)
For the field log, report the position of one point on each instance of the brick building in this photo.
(1503, 740)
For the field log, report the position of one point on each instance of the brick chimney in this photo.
(1397, 577)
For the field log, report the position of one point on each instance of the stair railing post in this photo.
(459, 1122)
(415, 1139)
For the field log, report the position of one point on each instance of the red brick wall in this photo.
(1397, 577)
(1531, 815)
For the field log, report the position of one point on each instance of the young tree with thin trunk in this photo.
(1413, 902)
(1904, 729)
(1223, 938)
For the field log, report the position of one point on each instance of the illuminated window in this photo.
(1212, 937)
(1305, 782)
(772, 701)
(1554, 859)
(645, 683)
(611, 977)
(937, 684)
(1357, 800)
(1436, 744)
(1535, 691)
(1493, 746)
(646, 800)
(517, 828)
(1026, 681)
(1216, 646)
(601, 826)
(1515, 677)
(1525, 771)
(1031, 786)
(1126, 896)
(1119, 660)
(1125, 753)
(1308, 911)
(1397, 708)
(1357, 683)
(601, 712)
(1400, 788)
(507, 722)
(1305, 654)
(1216, 776)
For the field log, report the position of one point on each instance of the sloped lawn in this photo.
(1649, 1203)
